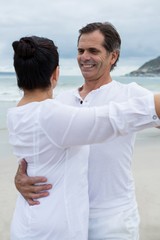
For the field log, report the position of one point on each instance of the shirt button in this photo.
(154, 117)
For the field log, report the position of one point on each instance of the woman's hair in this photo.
(35, 59)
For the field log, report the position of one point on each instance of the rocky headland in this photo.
(148, 69)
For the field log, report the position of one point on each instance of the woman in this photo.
(49, 136)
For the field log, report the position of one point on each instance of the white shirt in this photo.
(111, 184)
(43, 133)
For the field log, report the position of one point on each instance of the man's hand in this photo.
(26, 185)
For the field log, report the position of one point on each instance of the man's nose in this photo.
(86, 55)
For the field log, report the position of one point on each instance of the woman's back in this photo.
(64, 214)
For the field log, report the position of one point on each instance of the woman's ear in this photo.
(57, 73)
(54, 77)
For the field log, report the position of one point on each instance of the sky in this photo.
(137, 21)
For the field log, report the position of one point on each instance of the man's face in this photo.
(93, 59)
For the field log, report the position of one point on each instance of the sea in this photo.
(10, 94)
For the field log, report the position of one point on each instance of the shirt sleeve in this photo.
(134, 115)
(68, 126)
(135, 90)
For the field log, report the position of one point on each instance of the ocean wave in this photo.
(9, 91)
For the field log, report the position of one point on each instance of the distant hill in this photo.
(148, 69)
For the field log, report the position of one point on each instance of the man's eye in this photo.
(80, 51)
(94, 51)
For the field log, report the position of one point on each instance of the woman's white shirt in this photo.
(49, 136)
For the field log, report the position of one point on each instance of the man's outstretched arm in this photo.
(27, 185)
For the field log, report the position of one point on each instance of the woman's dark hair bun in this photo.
(25, 48)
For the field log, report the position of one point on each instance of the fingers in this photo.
(34, 196)
(31, 198)
(22, 169)
(34, 180)
(24, 181)
(31, 188)
(32, 202)
(26, 186)
(37, 191)
(32, 193)
(37, 195)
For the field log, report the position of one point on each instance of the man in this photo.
(113, 207)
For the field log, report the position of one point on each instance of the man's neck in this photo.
(89, 86)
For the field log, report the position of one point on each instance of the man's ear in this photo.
(114, 57)
(54, 77)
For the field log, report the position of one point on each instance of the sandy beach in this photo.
(146, 170)
(8, 168)
(147, 180)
